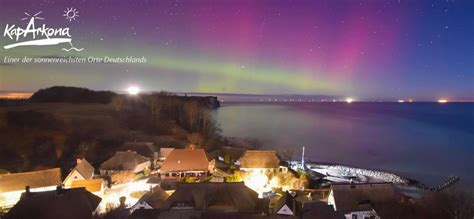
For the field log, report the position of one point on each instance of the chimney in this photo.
(122, 201)
(27, 190)
(78, 161)
(59, 190)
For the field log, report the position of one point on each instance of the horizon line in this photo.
(16, 94)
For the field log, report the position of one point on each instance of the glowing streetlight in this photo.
(349, 100)
(133, 90)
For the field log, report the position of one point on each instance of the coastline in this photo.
(328, 173)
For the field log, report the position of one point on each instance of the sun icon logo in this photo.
(71, 14)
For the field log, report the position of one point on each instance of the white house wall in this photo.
(331, 200)
(285, 210)
(73, 175)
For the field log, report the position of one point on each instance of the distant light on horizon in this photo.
(401, 101)
(133, 90)
(349, 100)
(442, 101)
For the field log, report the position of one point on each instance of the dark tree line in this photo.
(72, 95)
(35, 138)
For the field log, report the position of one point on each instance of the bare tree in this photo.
(153, 103)
(196, 139)
(3, 119)
(288, 153)
(193, 116)
(118, 102)
(59, 140)
(459, 204)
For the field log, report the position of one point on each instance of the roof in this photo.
(286, 199)
(91, 185)
(2, 171)
(156, 197)
(320, 210)
(154, 180)
(165, 152)
(144, 214)
(123, 160)
(85, 168)
(143, 148)
(186, 160)
(215, 197)
(36, 179)
(260, 159)
(359, 197)
(67, 203)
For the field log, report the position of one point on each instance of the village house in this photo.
(285, 205)
(60, 203)
(185, 163)
(358, 200)
(151, 200)
(263, 161)
(294, 204)
(212, 199)
(82, 171)
(303, 204)
(12, 185)
(95, 186)
(123, 166)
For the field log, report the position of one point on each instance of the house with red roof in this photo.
(185, 163)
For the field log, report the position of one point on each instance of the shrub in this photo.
(236, 177)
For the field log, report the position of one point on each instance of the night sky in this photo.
(365, 49)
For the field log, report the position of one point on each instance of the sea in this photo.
(428, 141)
